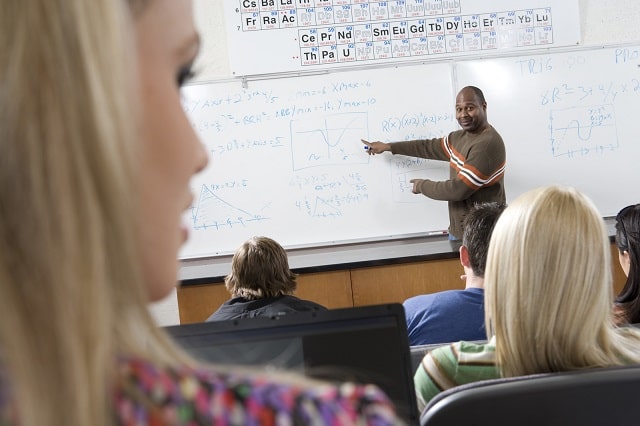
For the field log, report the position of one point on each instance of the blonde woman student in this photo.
(548, 298)
(96, 155)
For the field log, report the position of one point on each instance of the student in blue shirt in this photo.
(453, 315)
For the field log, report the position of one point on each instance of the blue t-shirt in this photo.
(444, 317)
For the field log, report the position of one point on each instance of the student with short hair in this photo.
(627, 303)
(261, 283)
(452, 315)
(548, 298)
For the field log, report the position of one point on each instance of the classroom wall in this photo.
(614, 21)
(359, 286)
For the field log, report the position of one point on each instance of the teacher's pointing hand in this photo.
(373, 148)
(416, 185)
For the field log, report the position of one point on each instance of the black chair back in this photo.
(605, 396)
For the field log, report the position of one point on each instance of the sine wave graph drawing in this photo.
(332, 141)
(580, 131)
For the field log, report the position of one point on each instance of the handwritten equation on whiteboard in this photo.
(582, 110)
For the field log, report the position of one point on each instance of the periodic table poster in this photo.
(274, 36)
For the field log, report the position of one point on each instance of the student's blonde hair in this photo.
(548, 287)
(71, 294)
(72, 297)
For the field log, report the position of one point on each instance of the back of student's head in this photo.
(549, 288)
(260, 269)
(478, 226)
(628, 240)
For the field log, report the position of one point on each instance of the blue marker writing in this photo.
(366, 147)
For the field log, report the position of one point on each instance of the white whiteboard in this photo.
(567, 118)
(286, 159)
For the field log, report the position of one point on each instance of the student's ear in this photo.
(464, 256)
(625, 261)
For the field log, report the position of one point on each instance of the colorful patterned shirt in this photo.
(453, 365)
(149, 395)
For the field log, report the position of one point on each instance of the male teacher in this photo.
(476, 155)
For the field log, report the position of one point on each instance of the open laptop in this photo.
(367, 344)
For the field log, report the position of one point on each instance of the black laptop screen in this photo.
(364, 344)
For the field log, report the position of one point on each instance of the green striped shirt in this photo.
(453, 365)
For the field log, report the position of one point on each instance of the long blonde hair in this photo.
(548, 287)
(71, 295)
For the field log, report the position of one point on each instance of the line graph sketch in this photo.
(212, 212)
(332, 140)
(580, 131)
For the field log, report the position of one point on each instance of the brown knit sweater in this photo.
(477, 170)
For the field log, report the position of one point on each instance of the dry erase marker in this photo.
(366, 147)
(430, 234)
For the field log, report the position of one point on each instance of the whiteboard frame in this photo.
(192, 267)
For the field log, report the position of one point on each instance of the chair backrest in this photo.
(418, 353)
(604, 396)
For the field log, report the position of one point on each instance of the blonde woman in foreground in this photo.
(548, 298)
(96, 155)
